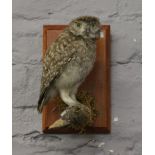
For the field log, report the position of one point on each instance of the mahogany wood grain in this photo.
(97, 83)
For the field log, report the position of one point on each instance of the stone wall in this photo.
(124, 16)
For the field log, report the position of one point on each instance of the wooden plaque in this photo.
(97, 83)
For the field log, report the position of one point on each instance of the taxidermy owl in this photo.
(68, 61)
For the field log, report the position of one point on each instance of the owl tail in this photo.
(45, 96)
(41, 101)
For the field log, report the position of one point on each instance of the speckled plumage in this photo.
(69, 60)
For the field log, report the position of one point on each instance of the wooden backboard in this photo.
(97, 83)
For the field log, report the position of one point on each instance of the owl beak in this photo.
(87, 30)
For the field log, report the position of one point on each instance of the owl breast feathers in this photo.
(69, 60)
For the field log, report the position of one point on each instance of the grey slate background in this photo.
(124, 16)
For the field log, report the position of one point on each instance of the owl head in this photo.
(86, 27)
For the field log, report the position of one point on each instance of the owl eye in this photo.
(78, 25)
(93, 25)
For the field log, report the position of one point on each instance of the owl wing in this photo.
(56, 58)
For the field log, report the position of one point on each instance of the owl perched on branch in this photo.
(69, 60)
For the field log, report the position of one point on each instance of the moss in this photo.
(81, 116)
